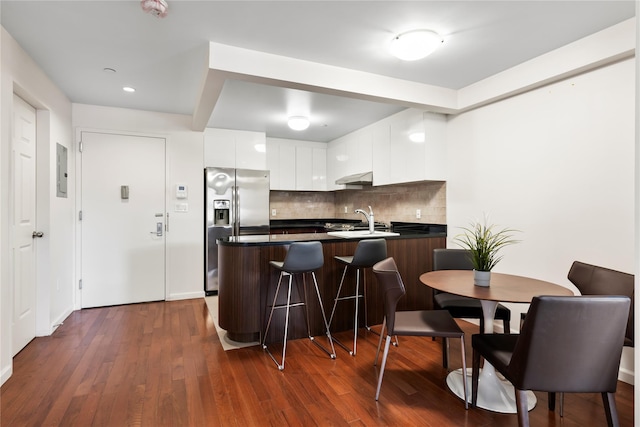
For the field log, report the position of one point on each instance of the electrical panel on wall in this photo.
(61, 171)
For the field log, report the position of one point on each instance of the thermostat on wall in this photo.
(181, 191)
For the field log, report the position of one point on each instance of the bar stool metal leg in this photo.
(287, 307)
(356, 296)
(332, 352)
(301, 258)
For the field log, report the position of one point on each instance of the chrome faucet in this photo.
(369, 218)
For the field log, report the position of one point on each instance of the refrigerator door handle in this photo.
(236, 210)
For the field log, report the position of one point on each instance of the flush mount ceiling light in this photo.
(128, 89)
(298, 122)
(157, 8)
(414, 45)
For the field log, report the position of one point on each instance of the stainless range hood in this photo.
(363, 178)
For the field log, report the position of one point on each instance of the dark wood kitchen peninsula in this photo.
(247, 282)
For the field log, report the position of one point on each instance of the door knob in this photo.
(37, 234)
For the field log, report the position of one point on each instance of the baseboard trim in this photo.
(7, 371)
(185, 295)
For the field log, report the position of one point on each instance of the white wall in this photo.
(184, 240)
(556, 163)
(21, 75)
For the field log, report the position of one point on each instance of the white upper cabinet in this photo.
(380, 152)
(297, 165)
(304, 165)
(348, 155)
(234, 149)
(319, 169)
(406, 157)
(435, 163)
(398, 159)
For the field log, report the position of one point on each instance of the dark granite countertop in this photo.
(285, 239)
(302, 223)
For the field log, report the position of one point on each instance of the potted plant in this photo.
(484, 242)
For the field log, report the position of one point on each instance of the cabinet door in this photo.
(219, 148)
(359, 151)
(337, 160)
(435, 127)
(273, 165)
(234, 149)
(406, 157)
(380, 153)
(287, 166)
(319, 168)
(304, 168)
(250, 150)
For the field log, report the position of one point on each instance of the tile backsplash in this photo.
(397, 202)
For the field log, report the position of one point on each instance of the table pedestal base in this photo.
(494, 394)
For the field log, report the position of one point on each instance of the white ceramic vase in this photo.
(481, 278)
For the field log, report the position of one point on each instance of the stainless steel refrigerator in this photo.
(236, 203)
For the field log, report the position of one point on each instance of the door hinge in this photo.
(79, 215)
(80, 146)
(80, 284)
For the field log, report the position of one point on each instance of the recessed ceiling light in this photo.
(298, 122)
(414, 45)
(109, 70)
(128, 89)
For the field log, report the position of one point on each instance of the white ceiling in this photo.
(165, 59)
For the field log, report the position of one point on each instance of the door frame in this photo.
(77, 303)
(32, 283)
(42, 271)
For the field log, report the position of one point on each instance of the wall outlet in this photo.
(346, 210)
(273, 212)
(418, 213)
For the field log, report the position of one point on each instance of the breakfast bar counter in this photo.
(247, 282)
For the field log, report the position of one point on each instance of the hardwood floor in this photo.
(161, 364)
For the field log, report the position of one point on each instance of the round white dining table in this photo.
(494, 393)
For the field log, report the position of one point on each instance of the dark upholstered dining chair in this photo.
(462, 307)
(427, 323)
(568, 344)
(594, 280)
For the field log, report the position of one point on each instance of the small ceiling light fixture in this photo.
(414, 45)
(109, 70)
(298, 122)
(157, 8)
(128, 89)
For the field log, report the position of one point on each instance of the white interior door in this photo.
(123, 212)
(23, 224)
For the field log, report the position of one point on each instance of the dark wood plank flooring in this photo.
(161, 364)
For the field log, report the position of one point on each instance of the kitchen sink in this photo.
(361, 234)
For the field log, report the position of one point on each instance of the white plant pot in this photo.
(481, 278)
